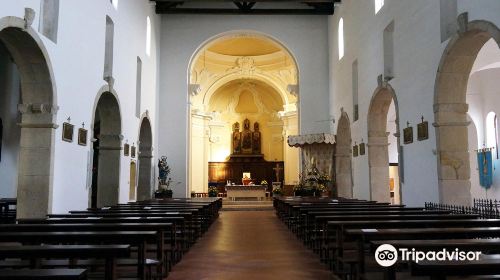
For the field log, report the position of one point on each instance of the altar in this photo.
(234, 191)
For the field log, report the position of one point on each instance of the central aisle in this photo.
(249, 245)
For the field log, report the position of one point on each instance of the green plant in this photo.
(193, 194)
(212, 191)
(278, 191)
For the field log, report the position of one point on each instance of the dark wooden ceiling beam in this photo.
(315, 7)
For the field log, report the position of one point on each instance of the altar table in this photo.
(234, 191)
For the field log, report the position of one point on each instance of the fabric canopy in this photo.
(301, 140)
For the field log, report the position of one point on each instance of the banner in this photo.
(485, 165)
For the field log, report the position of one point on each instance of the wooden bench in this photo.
(42, 274)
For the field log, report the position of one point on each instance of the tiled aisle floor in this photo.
(249, 245)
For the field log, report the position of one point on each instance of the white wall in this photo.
(304, 36)
(417, 53)
(9, 98)
(77, 61)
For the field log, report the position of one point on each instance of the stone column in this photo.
(34, 190)
(378, 161)
(452, 151)
(290, 154)
(108, 179)
(144, 188)
(343, 171)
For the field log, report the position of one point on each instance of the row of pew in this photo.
(345, 234)
(136, 240)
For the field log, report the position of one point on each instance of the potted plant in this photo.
(164, 180)
(193, 194)
(212, 192)
(277, 192)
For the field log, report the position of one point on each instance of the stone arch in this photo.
(38, 117)
(378, 155)
(107, 138)
(450, 108)
(343, 157)
(144, 186)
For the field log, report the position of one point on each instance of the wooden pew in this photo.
(134, 238)
(364, 236)
(43, 274)
(108, 252)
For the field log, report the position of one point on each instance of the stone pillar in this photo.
(34, 190)
(378, 161)
(291, 156)
(452, 151)
(144, 188)
(343, 171)
(108, 179)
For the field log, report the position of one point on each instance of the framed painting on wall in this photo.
(355, 150)
(408, 135)
(423, 131)
(126, 150)
(82, 137)
(67, 133)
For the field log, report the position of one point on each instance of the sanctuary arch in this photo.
(343, 157)
(235, 76)
(378, 142)
(107, 139)
(38, 110)
(450, 108)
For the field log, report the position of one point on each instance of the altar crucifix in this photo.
(277, 169)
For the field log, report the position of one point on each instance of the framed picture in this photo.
(67, 133)
(132, 151)
(355, 150)
(126, 150)
(423, 131)
(408, 135)
(362, 149)
(82, 137)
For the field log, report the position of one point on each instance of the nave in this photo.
(249, 245)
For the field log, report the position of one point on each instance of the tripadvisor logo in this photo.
(386, 255)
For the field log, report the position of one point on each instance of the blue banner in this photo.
(485, 165)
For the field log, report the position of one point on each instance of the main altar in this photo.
(235, 191)
(246, 157)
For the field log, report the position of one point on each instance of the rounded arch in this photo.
(378, 154)
(343, 157)
(450, 109)
(106, 132)
(38, 117)
(145, 186)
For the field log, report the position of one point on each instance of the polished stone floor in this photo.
(249, 245)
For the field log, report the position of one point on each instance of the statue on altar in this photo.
(256, 139)
(236, 138)
(246, 138)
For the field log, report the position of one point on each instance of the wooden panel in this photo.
(221, 172)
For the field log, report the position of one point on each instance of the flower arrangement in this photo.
(277, 191)
(212, 191)
(313, 183)
(263, 182)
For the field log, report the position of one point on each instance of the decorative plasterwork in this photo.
(301, 140)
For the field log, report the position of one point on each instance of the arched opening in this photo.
(450, 110)
(144, 186)
(106, 152)
(27, 97)
(132, 182)
(232, 77)
(343, 157)
(383, 146)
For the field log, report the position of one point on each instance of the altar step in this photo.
(247, 205)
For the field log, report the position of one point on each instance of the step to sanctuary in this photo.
(247, 205)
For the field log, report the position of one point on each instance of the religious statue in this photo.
(246, 135)
(236, 138)
(163, 172)
(256, 139)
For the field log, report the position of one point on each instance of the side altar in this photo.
(235, 191)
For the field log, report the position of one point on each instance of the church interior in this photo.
(214, 139)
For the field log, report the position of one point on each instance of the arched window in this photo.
(378, 5)
(148, 36)
(115, 4)
(341, 38)
(491, 132)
